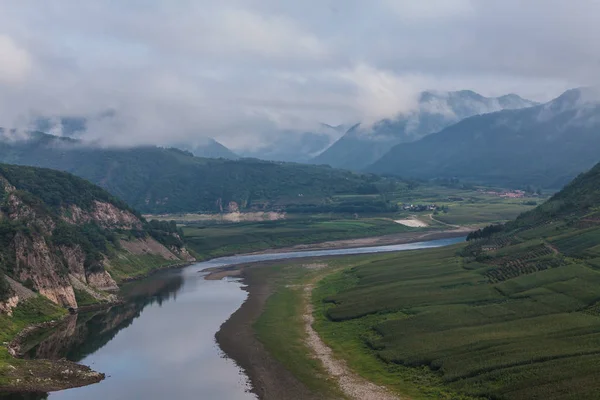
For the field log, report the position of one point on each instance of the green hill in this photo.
(512, 314)
(158, 180)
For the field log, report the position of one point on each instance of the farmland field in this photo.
(210, 241)
(423, 323)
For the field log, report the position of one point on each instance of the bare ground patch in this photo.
(352, 385)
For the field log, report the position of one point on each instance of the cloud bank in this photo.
(154, 72)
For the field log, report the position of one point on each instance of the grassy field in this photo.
(220, 240)
(281, 327)
(215, 238)
(426, 321)
(482, 212)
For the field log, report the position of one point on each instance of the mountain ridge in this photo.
(361, 146)
(544, 145)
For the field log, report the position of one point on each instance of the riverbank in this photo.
(270, 379)
(385, 240)
(271, 335)
(31, 318)
(20, 375)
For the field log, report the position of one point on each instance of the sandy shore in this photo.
(351, 384)
(270, 380)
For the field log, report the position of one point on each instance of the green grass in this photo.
(423, 324)
(126, 266)
(281, 328)
(221, 240)
(84, 298)
(32, 311)
(482, 212)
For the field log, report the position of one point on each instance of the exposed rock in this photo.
(233, 207)
(147, 246)
(97, 294)
(182, 253)
(7, 306)
(105, 214)
(101, 280)
(19, 293)
(109, 215)
(35, 261)
(75, 259)
(19, 211)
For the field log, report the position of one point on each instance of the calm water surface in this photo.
(161, 343)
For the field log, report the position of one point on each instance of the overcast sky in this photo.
(239, 70)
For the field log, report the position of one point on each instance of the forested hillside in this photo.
(158, 180)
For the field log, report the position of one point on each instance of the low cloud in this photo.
(15, 62)
(243, 71)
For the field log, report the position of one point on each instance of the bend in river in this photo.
(161, 342)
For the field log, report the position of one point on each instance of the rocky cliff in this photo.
(59, 233)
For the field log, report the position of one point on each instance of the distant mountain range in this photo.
(168, 180)
(544, 145)
(362, 145)
(297, 146)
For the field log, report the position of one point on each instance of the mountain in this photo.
(208, 148)
(361, 145)
(158, 180)
(546, 145)
(70, 241)
(297, 146)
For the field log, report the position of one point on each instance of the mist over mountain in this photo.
(166, 180)
(207, 148)
(297, 146)
(545, 145)
(363, 145)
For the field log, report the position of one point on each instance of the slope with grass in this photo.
(512, 314)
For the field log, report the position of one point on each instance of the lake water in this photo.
(161, 344)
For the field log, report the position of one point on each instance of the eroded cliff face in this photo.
(7, 306)
(105, 214)
(18, 210)
(36, 263)
(59, 246)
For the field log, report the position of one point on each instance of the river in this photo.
(161, 344)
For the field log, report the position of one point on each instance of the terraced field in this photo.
(501, 318)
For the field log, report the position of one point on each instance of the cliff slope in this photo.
(71, 241)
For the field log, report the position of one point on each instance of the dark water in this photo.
(160, 344)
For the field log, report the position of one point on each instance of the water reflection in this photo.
(84, 333)
(170, 350)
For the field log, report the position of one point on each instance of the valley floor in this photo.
(421, 324)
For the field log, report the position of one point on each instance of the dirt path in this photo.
(352, 385)
(237, 338)
(449, 225)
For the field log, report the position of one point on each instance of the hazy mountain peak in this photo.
(364, 144)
